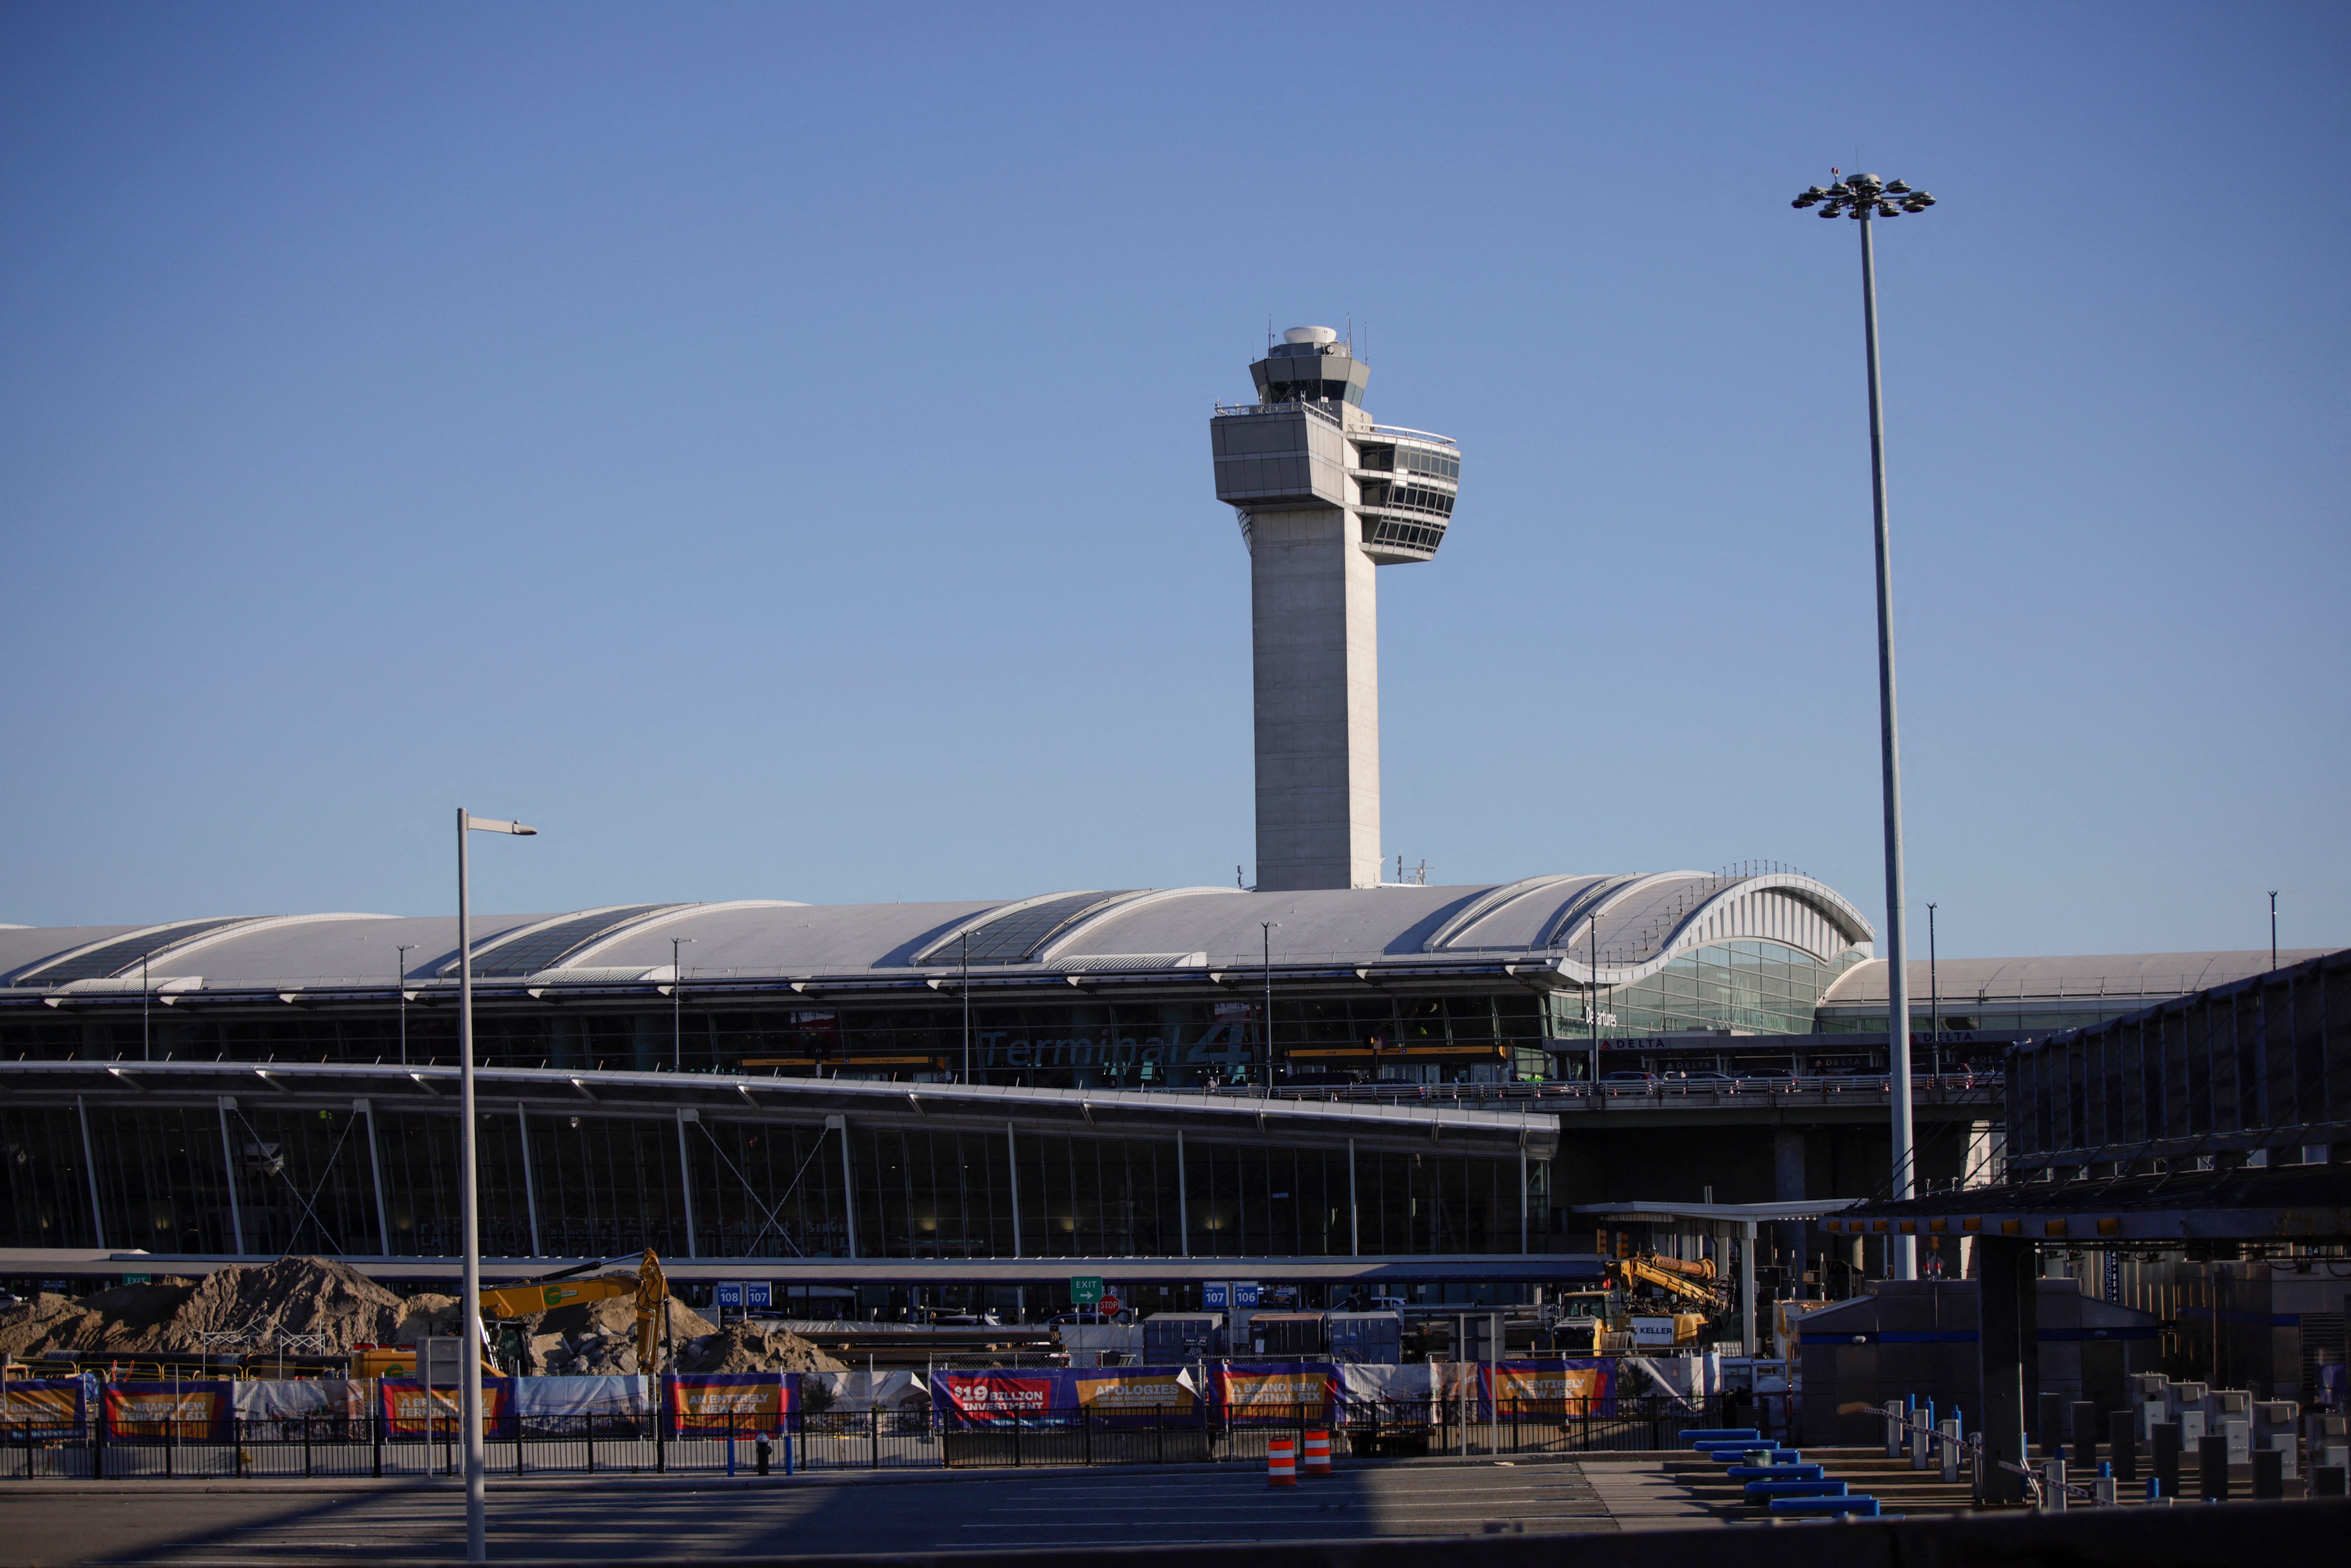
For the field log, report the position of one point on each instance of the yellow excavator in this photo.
(561, 1288)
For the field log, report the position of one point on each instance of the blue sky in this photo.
(766, 447)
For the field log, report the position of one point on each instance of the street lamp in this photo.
(966, 1007)
(1934, 996)
(1863, 198)
(677, 1007)
(1270, 926)
(147, 1044)
(469, 1407)
(400, 990)
(2274, 929)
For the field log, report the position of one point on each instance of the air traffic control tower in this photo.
(1324, 496)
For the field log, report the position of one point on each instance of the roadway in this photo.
(711, 1518)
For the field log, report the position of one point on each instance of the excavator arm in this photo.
(652, 1298)
(1640, 1271)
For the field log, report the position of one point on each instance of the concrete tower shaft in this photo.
(1324, 494)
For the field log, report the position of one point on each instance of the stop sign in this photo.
(1110, 1307)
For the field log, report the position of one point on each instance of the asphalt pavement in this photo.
(51, 1524)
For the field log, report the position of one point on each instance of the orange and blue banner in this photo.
(1562, 1388)
(43, 1408)
(199, 1410)
(411, 1410)
(717, 1403)
(1274, 1391)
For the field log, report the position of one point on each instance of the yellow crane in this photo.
(1688, 1281)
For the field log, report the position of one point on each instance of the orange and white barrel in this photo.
(1316, 1460)
(1280, 1462)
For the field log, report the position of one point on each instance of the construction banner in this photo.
(42, 1407)
(294, 1399)
(1271, 1391)
(616, 1394)
(199, 1411)
(720, 1402)
(409, 1410)
(999, 1398)
(1547, 1389)
(1155, 1393)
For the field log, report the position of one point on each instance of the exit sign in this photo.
(1085, 1290)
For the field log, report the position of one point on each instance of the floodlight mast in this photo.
(1864, 198)
(469, 1300)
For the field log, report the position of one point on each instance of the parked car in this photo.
(1059, 1319)
(1628, 1082)
(1704, 1083)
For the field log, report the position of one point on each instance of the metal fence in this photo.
(324, 1445)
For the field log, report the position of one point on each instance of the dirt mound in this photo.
(748, 1347)
(238, 1308)
(600, 1338)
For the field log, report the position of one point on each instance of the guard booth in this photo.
(1171, 1338)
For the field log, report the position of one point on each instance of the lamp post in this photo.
(400, 991)
(1864, 198)
(147, 1045)
(469, 1405)
(966, 988)
(677, 1007)
(2274, 928)
(1270, 927)
(1934, 998)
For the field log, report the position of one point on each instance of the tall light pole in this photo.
(469, 1405)
(1864, 198)
(400, 991)
(1270, 926)
(147, 1044)
(966, 1008)
(677, 1007)
(1934, 996)
(2274, 928)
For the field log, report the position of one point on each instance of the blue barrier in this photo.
(1866, 1507)
(1774, 1473)
(1715, 1434)
(1814, 1486)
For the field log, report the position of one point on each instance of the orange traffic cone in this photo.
(1280, 1462)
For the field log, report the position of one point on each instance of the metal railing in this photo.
(1944, 1088)
(871, 1439)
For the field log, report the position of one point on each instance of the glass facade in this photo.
(1752, 987)
(306, 1180)
(1471, 1037)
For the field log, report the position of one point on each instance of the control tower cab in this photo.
(1323, 495)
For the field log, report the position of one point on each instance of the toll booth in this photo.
(1286, 1335)
(1371, 1338)
(1171, 1338)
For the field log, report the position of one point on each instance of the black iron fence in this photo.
(335, 1446)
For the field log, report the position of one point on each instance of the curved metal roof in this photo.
(2081, 977)
(1535, 927)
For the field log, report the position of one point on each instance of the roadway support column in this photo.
(1747, 1289)
(1522, 1200)
(1184, 1194)
(848, 1180)
(90, 1167)
(529, 1182)
(1354, 1215)
(685, 1181)
(228, 1169)
(365, 1110)
(2000, 1349)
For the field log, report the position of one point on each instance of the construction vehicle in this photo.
(650, 1286)
(1692, 1282)
(507, 1303)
